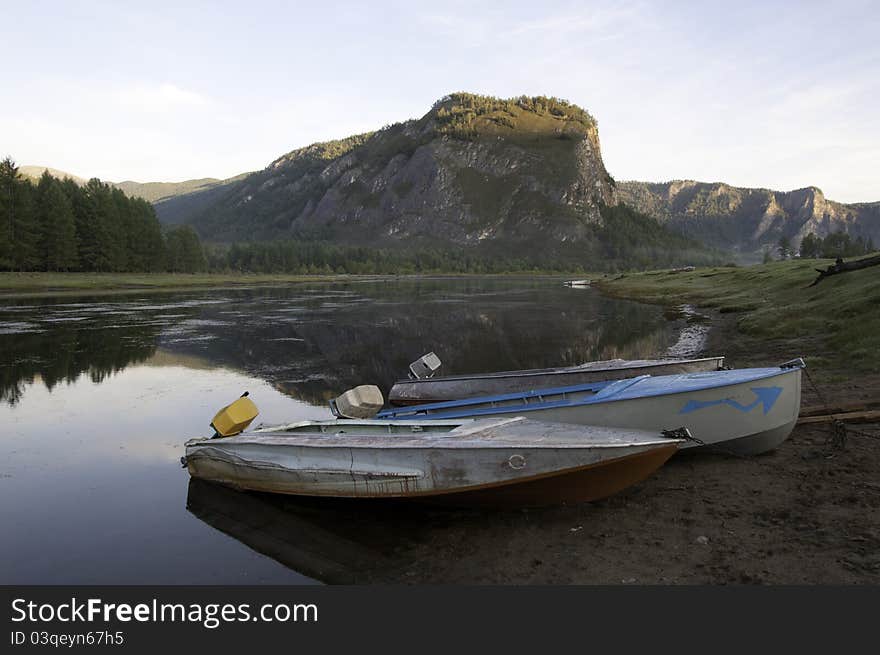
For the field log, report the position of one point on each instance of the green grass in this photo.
(53, 284)
(20, 285)
(839, 318)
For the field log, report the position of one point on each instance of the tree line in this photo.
(322, 257)
(455, 113)
(836, 244)
(58, 225)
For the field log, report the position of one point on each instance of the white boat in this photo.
(746, 411)
(424, 386)
(494, 461)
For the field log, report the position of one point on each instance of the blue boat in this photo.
(745, 411)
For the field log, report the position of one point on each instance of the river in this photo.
(97, 396)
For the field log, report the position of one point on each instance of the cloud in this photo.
(158, 97)
(596, 20)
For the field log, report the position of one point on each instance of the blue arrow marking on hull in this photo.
(766, 396)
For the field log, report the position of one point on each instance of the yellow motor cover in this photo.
(235, 417)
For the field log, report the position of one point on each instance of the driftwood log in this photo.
(841, 266)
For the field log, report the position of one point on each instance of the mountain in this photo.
(34, 173)
(153, 192)
(184, 200)
(158, 191)
(471, 169)
(747, 220)
(522, 176)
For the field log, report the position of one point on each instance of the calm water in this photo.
(97, 396)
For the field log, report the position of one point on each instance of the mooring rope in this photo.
(839, 430)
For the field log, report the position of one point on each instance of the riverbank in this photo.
(806, 513)
(770, 311)
(56, 284)
(48, 285)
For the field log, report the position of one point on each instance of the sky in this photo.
(779, 95)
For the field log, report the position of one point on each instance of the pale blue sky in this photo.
(773, 94)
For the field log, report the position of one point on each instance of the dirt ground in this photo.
(806, 513)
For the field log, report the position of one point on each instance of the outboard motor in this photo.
(424, 367)
(364, 401)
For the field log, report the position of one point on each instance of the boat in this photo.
(423, 387)
(577, 284)
(495, 461)
(743, 411)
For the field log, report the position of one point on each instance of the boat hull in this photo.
(730, 417)
(441, 389)
(492, 467)
(576, 484)
(592, 482)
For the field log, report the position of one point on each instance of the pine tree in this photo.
(810, 246)
(8, 177)
(147, 249)
(784, 246)
(96, 243)
(20, 234)
(57, 243)
(25, 230)
(120, 226)
(185, 253)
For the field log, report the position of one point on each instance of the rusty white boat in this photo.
(745, 411)
(496, 461)
(424, 387)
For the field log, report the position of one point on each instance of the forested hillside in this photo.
(60, 225)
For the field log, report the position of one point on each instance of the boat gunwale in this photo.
(419, 442)
(455, 424)
(560, 370)
(412, 411)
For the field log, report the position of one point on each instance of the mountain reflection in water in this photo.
(100, 394)
(313, 341)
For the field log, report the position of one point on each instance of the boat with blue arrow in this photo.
(744, 411)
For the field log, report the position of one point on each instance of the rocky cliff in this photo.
(746, 220)
(472, 169)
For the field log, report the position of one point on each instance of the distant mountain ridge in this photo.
(747, 220)
(34, 173)
(520, 175)
(153, 192)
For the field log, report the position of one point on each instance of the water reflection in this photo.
(101, 394)
(313, 341)
(62, 351)
(91, 488)
(334, 541)
(309, 537)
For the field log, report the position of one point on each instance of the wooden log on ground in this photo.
(841, 266)
(872, 416)
(839, 408)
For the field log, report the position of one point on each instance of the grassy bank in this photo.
(836, 324)
(53, 284)
(22, 285)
